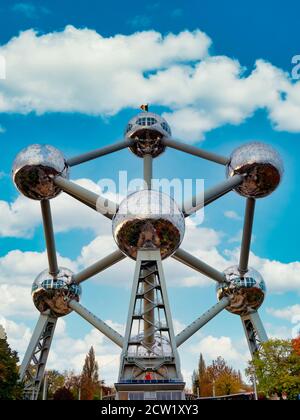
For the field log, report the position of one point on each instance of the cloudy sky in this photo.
(222, 75)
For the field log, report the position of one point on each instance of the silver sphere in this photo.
(52, 294)
(148, 220)
(34, 169)
(262, 166)
(246, 292)
(145, 132)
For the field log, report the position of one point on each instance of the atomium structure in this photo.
(148, 227)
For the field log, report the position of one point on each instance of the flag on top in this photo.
(145, 107)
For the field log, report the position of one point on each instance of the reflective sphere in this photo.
(34, 168)
(262, 166)
(145, 132)
(247, 292)
(52, 294)
(148, 220)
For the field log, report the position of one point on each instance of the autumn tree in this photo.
(224, 378)
(218, 378)
(277, 368)
(296, 345)
(10, 388)
(90, 385)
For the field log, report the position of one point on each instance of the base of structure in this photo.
(150, 390)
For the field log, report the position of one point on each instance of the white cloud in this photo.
(280, 277)
(289, 313)
(23, 216)
(97, 75)
(101, 76)
(230, 214)
(212, 347)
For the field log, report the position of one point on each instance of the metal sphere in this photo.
(52, 294)
(34, 169)
(247, 292)
(148, 220)
(262, 167)
(145, 132)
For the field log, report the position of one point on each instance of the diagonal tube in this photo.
(203, 199)
(77, 160)
(198, 265)
(49, 237)
(105, 329)
(195, 151)
(95, 201)
(189, 331)
(247, 235)
(99, 266)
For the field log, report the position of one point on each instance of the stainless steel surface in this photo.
(145, 131)
(99, 266)
(198, 265)
(262, 167)
(34, 169)
(49, 237)
(195, 151)
(247, 235)
(212, 194)
(51, 293)
(77, 160)
(97, 323)
(148, 220)
(96, 202)
(189, 331)
(148, 171)
(246, 293)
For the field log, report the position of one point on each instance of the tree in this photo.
(224, 378)
(63, 394)
(216, 379)
(55, 381)
(277, 368)
(296, 345)
(202, 381)
(195, 383)
(10, 388)
(73, 383)
(90, 385)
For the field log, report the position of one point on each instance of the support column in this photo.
(35, 359)
(149, 349)
(149, 305)
(255, 331)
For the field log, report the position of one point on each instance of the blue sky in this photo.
(77, 105)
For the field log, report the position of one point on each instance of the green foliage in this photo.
(10, 388)
(277, 368)
(56, 381)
